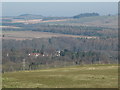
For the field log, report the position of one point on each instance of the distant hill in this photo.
(32, 16)
(29, 16)
(86, 15)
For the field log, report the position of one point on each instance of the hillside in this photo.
(84, 76)
(28, 16)
(98, 26)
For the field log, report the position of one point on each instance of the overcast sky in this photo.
(58, 8)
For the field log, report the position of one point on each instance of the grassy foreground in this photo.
(85, 76)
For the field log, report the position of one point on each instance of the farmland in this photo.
(95, 27)
(80, 40)
(60, 52)
(22, 35)
(83, 76)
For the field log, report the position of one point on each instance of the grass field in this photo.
(84, 76)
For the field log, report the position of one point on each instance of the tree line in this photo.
(74, 51)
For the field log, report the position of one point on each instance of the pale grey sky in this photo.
(58, 8)
(60, 0)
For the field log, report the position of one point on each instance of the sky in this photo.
(58, 8)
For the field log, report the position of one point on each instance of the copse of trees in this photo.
(86, 15)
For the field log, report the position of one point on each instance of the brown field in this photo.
(35, 21)
(22, 35)
(9, 27)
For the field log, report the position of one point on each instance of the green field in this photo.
(84, 76)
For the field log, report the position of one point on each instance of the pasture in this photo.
(83, 76)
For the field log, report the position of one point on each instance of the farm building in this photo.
(36, 53)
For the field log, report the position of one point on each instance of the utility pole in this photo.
(23, 64)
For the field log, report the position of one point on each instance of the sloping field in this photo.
(99, 21)
(22, 35)
(84, 76)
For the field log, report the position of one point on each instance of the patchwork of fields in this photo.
(102, 32)
(87, 27)
(84, 76)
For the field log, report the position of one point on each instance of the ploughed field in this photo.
(83, 76)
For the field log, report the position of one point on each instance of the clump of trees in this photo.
(86, 15)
